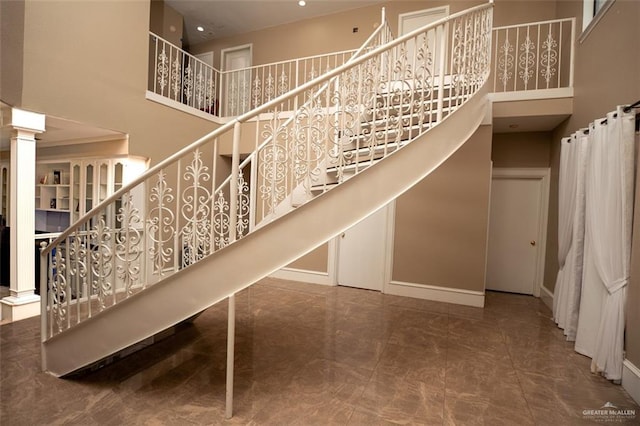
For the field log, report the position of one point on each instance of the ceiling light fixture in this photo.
(200, 28)
(302, 3)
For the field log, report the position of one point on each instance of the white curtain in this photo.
(570, 234)
(609, 214)
(600, 243)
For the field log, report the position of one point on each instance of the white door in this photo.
(237, 85)
(206, 57)
(411, 21)
(517, 230)
(362, 252)
(414, 20)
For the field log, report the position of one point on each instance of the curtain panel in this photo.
(594, 236)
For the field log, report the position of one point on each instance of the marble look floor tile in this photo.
(472, 412)
(292, 411)
(397, 400)
(562, 400)
(361, 417)
(545, 361)
(478, 334)
(413, 363)
(350, 349)
(483, 376)
(310, 354)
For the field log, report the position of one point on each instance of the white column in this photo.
(22, 302)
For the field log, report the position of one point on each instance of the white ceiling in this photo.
(224, 18)
(59, 132)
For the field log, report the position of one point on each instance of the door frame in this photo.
(206, 57)
(223, 70)
(530, 173)
(418, 13)
(334, 249)
(228, 50)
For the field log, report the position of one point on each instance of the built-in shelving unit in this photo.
(4, 193)
(66, 190)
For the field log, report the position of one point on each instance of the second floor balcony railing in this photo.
(533, 57)
(181, 77)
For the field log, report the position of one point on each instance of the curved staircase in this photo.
(177, 240)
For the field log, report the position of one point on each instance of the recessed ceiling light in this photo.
(199, 28)
(302, 3)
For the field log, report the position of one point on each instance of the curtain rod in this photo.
(624, 109)
(630, 107)
(627, 109)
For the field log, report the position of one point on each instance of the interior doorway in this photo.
(363, 250)
(517, 230)
(411, 21)
(236, 79)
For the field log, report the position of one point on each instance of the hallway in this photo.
(309, 354)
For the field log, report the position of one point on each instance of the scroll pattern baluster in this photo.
(242, 224)
(273, 159)
(527, 60)
(221, 221)
(128, 244)
(78, 265)
(196, 211)
(59, 290)
(160, 224)
(176, 78)
(549, 58)
(162, 71)
(505, 63)
(101, 261)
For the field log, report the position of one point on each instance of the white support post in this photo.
(22, 301)
(573, 49)
(231, 331)
(442, 33)
(233, 184)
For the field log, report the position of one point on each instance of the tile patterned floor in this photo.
(315, 355)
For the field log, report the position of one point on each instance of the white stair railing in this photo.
(534, 56)
(179, 212)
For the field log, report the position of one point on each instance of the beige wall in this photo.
(166, 22)
(441, 224)
(317, 260)
(607, 74)
(529, 149)
(11, 48)
(334, 32)
(94, 70)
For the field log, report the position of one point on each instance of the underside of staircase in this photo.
(201, 285)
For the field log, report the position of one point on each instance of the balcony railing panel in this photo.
(181, 77)
(533, 56)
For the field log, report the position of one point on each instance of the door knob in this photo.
(342, 236)
(532, 242)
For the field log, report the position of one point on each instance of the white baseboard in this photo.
(303, 275)
(435, 293)
(547, 297)
(631, 380)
